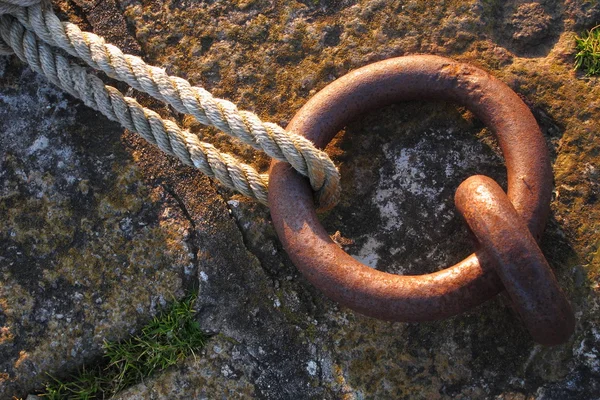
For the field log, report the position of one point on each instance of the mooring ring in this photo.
(395, 297)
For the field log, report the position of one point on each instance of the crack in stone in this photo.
(189, 285)
(243, 234)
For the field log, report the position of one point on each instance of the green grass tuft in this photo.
(587, 58)
(169, 338)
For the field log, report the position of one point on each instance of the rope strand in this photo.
(130, 114)
(185, 98)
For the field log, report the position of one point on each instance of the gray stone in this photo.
(98, 229)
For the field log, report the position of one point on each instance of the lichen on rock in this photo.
(98, 229)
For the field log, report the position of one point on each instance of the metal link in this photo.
(517, 259)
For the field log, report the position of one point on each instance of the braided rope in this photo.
(130, 114)
(185, 98)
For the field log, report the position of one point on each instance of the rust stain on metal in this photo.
(388, 296)
(517, 260)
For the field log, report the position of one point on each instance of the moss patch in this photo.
(169, 338)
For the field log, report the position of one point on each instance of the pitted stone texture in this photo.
(402, 217)
(88, 250)
(528, 29)
(530, 24)
(278, 337)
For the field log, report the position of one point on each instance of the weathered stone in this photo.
(98, 229)
(87, 253)
(530, 24)
(526, 28)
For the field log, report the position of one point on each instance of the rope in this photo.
(41, 28)
(129, 113)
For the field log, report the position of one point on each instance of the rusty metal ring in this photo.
(388, 296)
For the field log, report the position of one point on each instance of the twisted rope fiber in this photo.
(10, 7)
(128, 112)
(185, 98)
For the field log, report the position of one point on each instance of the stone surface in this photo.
(531, 24)
(98, 229)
